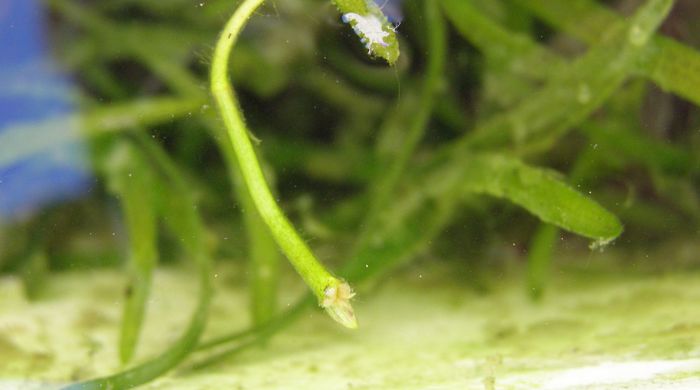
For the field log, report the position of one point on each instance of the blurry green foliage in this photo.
(487, 97)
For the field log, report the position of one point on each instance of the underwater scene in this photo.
(349, 194)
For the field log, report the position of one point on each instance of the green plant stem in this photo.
(668, 63)
(152, 55)
(264, 257)
(384, 188)
(159, 365)
(184, 221)
(332, 293)
(131, 180)
(96, 122)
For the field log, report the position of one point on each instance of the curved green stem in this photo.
(332, 293)
(387, 182)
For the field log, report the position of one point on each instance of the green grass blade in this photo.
(264, 258)
(539, 258)
(572, 96)
(156, 367)
(670, 64)
(543, 194)
(507, 49)
(177, 206)
(130, 179)
(385, 185)
(96, 122)
(264, 265)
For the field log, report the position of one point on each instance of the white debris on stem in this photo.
(369, 28)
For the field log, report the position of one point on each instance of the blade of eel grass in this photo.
(599, 73)
(670, 64)
(185, 222)
(130, 180)
(175, 204)
(383, 188)
(264, 258)
(485, 33)
(96, 122)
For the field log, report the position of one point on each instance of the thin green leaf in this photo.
(382, 189)
(507, 49)
(572, 96)
(670, 64)
(543, 194)
(130, 179)
(176, 204)
(539, 258)
(157, 366)
(264, 258)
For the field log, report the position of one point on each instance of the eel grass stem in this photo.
(332, 293)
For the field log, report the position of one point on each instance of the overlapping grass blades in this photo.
(410, 223)
(131, 181)
(408, 201)
(176, 207)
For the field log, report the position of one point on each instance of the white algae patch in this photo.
(368, 28)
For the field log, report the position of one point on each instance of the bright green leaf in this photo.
(543, 194)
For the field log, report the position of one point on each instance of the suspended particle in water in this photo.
(584, 94)
(637, 36)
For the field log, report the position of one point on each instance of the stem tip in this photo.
(336, 302)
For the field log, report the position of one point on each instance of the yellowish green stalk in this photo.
(131, 180)
(332, 293)
(388, 181)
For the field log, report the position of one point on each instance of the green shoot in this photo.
(670, 64)
(542, 194)
(130, 181)
(264, 258)
(332, 293)
(176, 207)
(386, 183)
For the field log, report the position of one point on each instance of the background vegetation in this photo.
(506, 129)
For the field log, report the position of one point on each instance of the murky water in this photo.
(514, 201)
